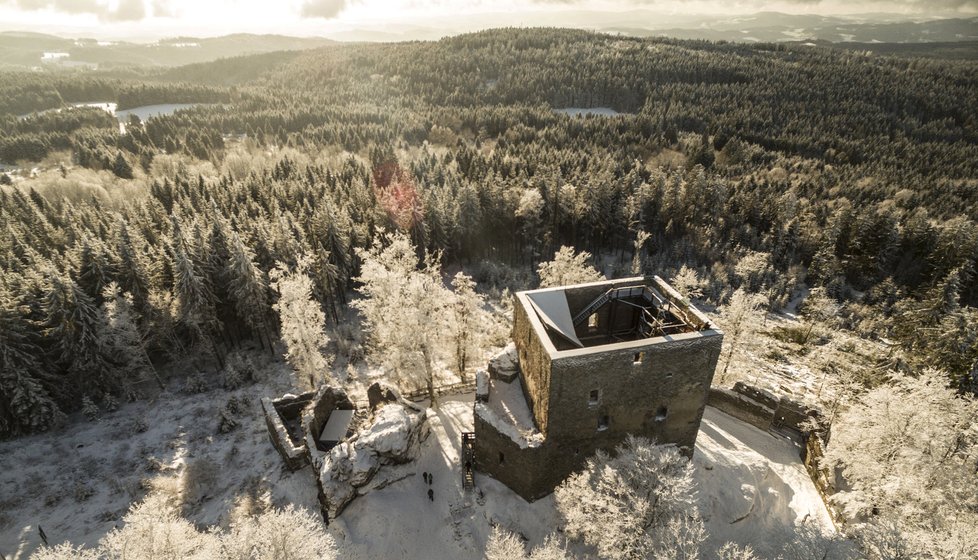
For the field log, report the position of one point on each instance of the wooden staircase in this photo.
(468, 460)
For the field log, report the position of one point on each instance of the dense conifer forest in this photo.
(765, 167)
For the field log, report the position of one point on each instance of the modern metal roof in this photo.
(553, 310)
(336, 426)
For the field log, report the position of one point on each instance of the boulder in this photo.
(394, 436)
(505, 365)
(381, 393)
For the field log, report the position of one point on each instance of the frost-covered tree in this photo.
(119, 336)
(72, 325)
(26, 404)
(753, 270)
(248, 288)
(819, 308)
(812, 542)
(287, 534)
(405, 308)
(908, 451)
(740, 317)
(639, 504)
(468, 319)
(567, 267)
(503, 545)
(732, 551)
(529, 212)
(638, 251)
(303, 324)
(687, 282)
(65, 551)
(155, 529)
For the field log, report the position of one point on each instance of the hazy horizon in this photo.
(149, 20)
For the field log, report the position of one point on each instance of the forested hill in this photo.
(769, 167)
(905, 120)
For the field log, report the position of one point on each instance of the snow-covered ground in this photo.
(753, 488)
(77, 483)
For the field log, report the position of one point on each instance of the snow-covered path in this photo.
(753, 486)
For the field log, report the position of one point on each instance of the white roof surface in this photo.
(552, 308)
(336, 426)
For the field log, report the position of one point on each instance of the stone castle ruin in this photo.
(590, 364)
(346, 445)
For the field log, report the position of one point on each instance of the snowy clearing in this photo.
(77, 489)
(753, 486)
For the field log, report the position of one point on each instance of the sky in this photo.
(149, 19)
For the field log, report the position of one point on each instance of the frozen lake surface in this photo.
(148, 111)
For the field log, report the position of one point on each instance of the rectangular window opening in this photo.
(603, 422)
(660, 415)
(594, 397)
(502, 458)
(638, 358)
(592, 321)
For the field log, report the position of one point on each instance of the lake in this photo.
(149, 111)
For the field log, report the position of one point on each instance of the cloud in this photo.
(124, 10)
(326, 9)
(763, 5)
(160, 9)
(128, 10)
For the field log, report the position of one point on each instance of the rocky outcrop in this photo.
(380, 393)
(394, 436)
(505, 365)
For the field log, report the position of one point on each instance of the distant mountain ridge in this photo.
(27, 48)
(24, 48)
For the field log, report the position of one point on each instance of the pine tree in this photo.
(26, 405)
(194, 300)
(120, 337)
(132, 274)
(94, 269)
(248, 289)
(121, 167)
(71, 325)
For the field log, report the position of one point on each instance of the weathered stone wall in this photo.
(741, 407)
(761, 409)
(661, 397)
(534, 363)
(525, 470)
(277, 413)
